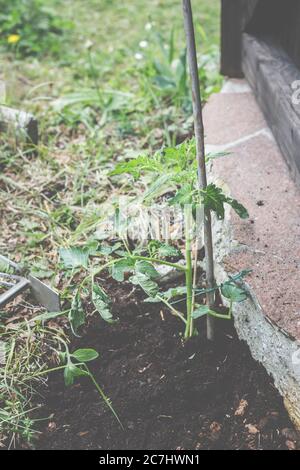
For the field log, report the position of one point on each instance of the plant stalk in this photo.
(200, 154)
(177, 266)
(188, 276)
(189, 290)
(172, 309)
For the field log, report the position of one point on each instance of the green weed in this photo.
(29, 27)
(30, 352)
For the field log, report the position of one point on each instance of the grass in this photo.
(62, 195)
(102, 100)
(30, 349)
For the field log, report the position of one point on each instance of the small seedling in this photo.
(24, 364)
(75, 366)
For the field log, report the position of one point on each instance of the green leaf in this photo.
(233, 292)
(163, 82)
(201, 311)
(238, 208)
(71, 371)
(92, 246)
(40, 273)
(183, 196)
(169, 294)
(214, 199)
(76, 314)
(174, 292)
(157, 188)
(121, 267)
(145, 267)
(74, 257)
(107, 250)
(111, 100)
(153, 300)
(240, 275)
(167, 251)
(135, 166)
(5, 267)
(43, 317)
(85, 355)
(101, 302)
(86, 96)
(162, 250)
(149, 286)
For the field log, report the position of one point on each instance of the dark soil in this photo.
(168, 394)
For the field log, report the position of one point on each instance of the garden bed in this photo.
(167, 393)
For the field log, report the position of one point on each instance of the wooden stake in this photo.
(200, 150)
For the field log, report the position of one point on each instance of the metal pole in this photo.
(200, 154)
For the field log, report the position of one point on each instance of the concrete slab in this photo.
(230, 117)
(236, 85)
(269, 242)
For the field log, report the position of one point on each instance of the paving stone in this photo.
(258, 177)
(231, 116)
(236, 85)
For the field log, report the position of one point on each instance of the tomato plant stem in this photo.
(188, 274)
(189, 290)
(160, 261)
(173, 310)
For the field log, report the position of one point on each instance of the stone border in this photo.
(24, 125)
(234, 123)
(269, 345)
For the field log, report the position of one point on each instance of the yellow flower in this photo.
(13, 39)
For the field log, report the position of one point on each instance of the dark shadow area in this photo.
(278, 21)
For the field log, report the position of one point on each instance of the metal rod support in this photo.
(200, 153)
